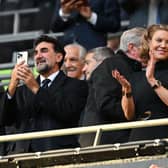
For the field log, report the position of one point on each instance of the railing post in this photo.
(97, 137)
(16, 23)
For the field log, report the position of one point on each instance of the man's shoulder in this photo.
(111, 63)
(76, 85)
(75, 82)
(119, 61)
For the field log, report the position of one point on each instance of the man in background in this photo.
(93, 60)
(86, 21)
(74, 60)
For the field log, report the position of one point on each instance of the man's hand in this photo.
(14, 79)
(68, 6)
(25, 74)
(85, 11)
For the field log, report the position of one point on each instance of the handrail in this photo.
(22, 36)
(19, 11)
(4, 77)
(11, 65)
(83, 130)
(16, 14)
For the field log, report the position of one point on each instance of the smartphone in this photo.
(22, 56)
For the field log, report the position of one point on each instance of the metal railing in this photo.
(17, 14)
(98, 129)
(25, 36)
(16, 35)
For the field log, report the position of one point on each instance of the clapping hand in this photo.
(126, 86)
(150, 67)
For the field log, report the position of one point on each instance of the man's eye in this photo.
(73, 59)
(43, 50)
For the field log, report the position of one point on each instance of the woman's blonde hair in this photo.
(148, 36)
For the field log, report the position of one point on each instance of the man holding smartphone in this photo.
(52, 101)
(86, 21)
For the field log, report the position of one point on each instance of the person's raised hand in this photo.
(68, 6)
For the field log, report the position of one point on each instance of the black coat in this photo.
(104, 99)
(56, 107)
(2, 128)
(146, 99)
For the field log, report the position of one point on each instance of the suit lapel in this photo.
(58, 81)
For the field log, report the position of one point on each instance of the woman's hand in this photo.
(127, 101)
(150, 69)
(126, 86)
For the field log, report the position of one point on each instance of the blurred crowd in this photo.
(94, 22)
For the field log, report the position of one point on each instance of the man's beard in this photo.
(43, 68)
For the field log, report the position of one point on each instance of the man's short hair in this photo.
(133, 36)
(57, 46)
(101, 53)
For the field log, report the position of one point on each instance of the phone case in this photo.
(23, 55)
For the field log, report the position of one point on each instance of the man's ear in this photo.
(130, 46)
(59, 57)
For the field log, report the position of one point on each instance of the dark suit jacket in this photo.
(104, 99)
(80, 30)
(56, 107)
(2, 129)
(138, 12)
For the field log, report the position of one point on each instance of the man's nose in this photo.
(67, 63)
(84, 69)
(38, 54)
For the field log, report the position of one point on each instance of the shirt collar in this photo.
(51, 77)
(82, 77)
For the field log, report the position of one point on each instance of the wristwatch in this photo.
(157, 84)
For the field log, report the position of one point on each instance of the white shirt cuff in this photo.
(93, 18)
(64, 16)
(9, 96)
